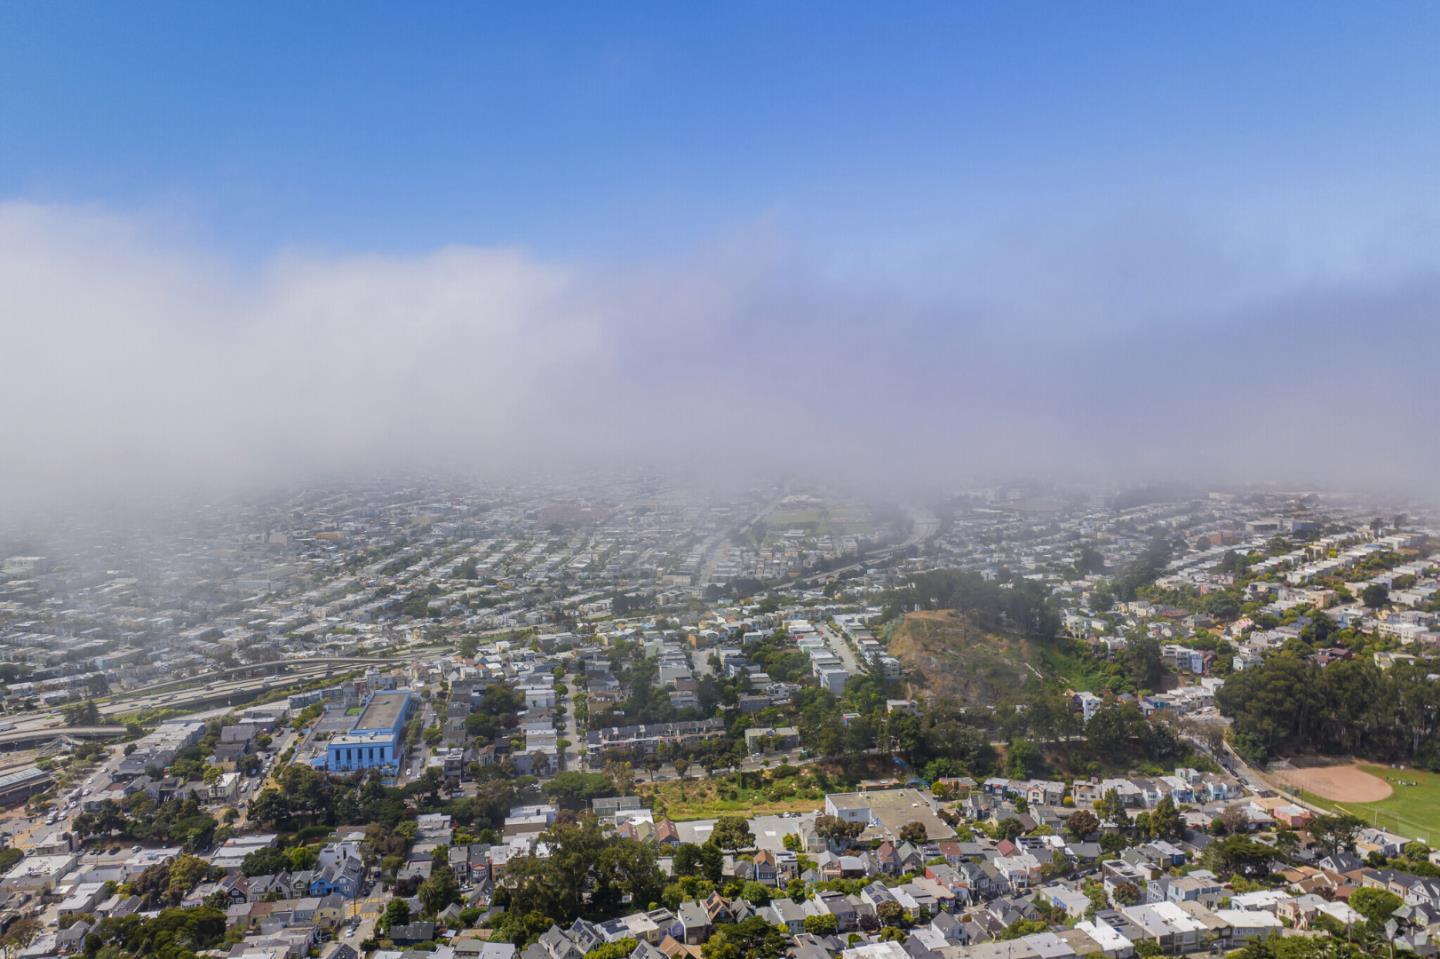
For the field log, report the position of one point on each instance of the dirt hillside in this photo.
(957, 660)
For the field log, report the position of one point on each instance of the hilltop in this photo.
(955, 658)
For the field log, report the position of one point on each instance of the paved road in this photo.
(711, 550)
(841, 647)
(573, 729)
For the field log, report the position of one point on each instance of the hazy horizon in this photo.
(513, 243)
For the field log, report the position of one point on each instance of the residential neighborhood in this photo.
(380, 760)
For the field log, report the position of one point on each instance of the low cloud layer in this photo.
(1144, 349)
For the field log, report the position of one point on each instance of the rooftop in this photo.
(383, 711)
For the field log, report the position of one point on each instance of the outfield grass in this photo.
(1412, 810)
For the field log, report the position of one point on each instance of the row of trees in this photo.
(588, 873)
(1289, 705)
(1021, 606)
(140, 818)
(308, 798)
(173, 934)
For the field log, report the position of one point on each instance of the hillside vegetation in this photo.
(955, 659)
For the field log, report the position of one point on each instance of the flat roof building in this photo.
(374, 742)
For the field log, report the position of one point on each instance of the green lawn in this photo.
(1412, 810)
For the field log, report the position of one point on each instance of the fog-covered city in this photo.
(719, 481)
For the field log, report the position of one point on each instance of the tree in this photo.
(186, 872)
(1165, 820)
(1023, 759)
(81, 714)
(732, 833)
(1082, 823)
(1375, 595)
(890, 913)
(619, 949)
(1111, 809)
(1303, 947)
(575, 790)
(1091, 560)
(173, 934)
(1142, 662)
(756, 893)
(706, 862)
(1239, 855)
(18, 935)
(1335, 832)
(588, 872)
(1023, 927)
(751, 938)
(1286, 842)
(833, 829)
(1375, 904)
(264, 862)
(397, 913)
(440, 890)
(914, 833)
(270, 808)
(822, 924)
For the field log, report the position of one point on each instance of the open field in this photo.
(1412, 807)
(820, 519)
(719, 796)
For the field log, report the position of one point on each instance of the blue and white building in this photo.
(374, 742)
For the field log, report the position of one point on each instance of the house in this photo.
(1292, 816)
(839, 906)
(558, 945)
(1245, 924)
(695, 923)
(1172, 928)
(764, 868)
(788, 913)
(1378, 840)
(766, 739)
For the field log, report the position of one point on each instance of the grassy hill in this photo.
(957, 660)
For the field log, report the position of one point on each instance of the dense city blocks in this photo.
(1001, 721)
(624, 479)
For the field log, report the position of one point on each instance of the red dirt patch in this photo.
(1345, 782)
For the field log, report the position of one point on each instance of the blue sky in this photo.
(1120, 239)
(597, 130)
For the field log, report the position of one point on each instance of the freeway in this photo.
(210, 688)
(40, 727)
(711, 549)
(924, 525)
(279, 665)
(15, 738)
